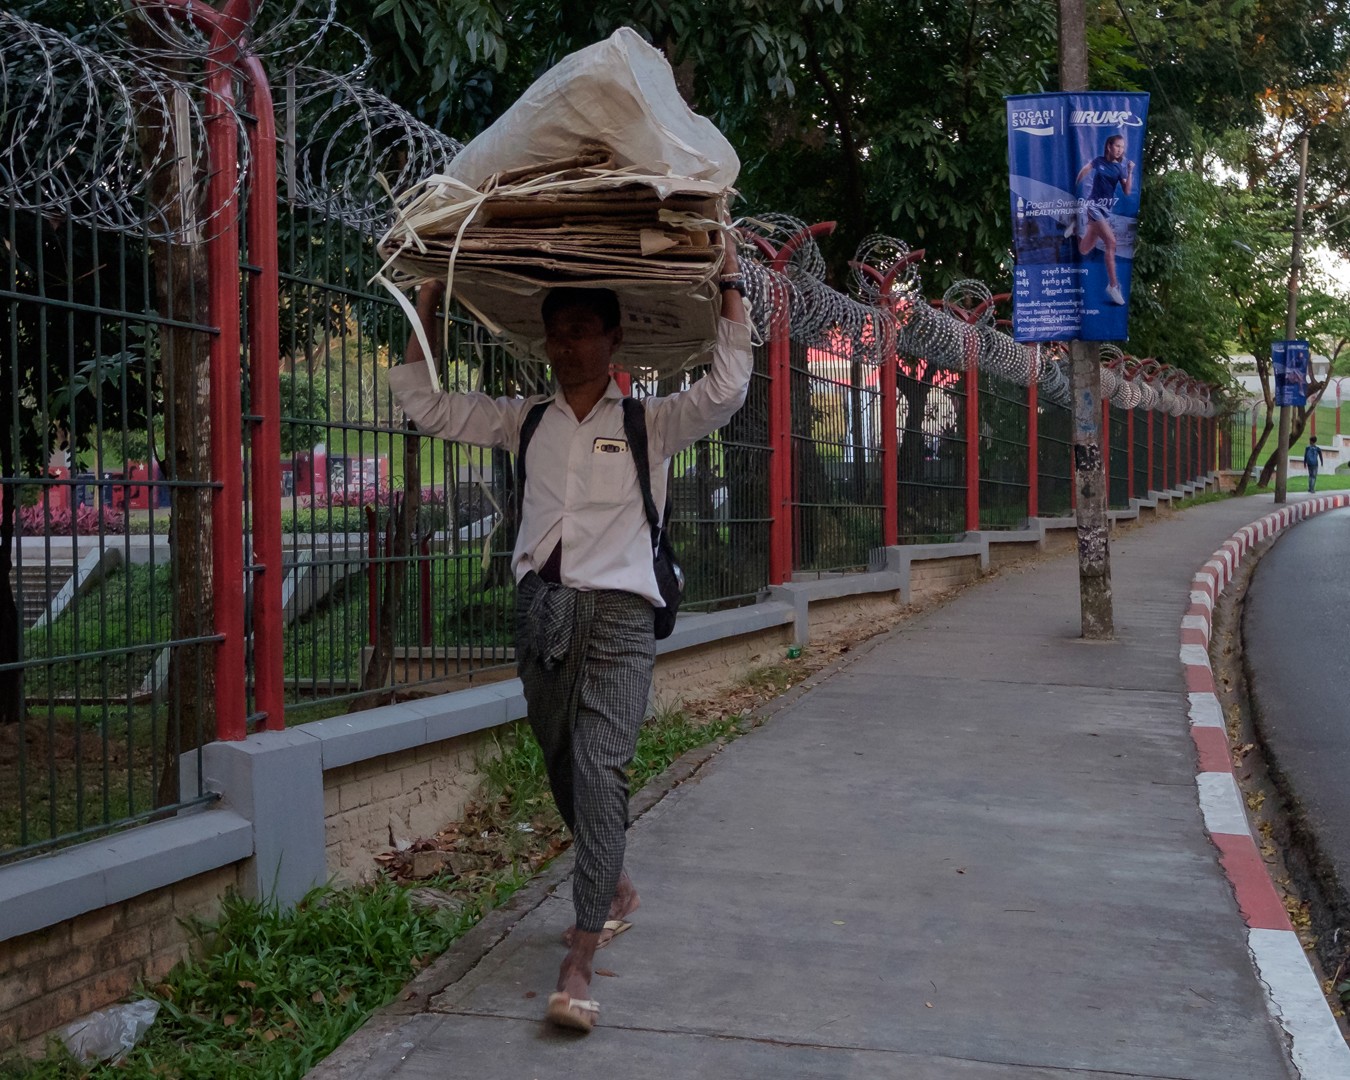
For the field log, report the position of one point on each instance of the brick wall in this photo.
(1059, 541)
(706, 669)
(414, 793)
(933, 577)
(846, 614)
(1010, 552)
(53, 976)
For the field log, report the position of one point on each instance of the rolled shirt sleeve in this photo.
(457, 417)
(681, 419)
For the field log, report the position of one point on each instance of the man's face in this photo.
(578, 346)
(1115, 150)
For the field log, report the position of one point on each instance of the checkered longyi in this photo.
(586, 704)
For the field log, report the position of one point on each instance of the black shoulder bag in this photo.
(669, 576)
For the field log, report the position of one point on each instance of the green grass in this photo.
(131, 607)
(269, 993)
(1339, 481)
(272, 992)
(1326, 482)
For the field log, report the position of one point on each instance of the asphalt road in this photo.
(1297, 648)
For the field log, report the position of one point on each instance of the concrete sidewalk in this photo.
(973, 853)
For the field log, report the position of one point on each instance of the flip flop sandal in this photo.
(613, 928)
(575, 1014)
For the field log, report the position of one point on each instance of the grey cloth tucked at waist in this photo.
(551, 620)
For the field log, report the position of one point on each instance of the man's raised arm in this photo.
(458, 417)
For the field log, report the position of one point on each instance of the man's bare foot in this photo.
(625, 902)
(571, 1007)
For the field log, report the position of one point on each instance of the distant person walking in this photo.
(1312, 457)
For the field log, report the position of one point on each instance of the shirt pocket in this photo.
(613, 480)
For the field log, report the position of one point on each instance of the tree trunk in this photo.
(1246, 477)
(1094, 544)
(401, 538)
(179, 268)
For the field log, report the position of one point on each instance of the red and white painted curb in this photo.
(1296, 998)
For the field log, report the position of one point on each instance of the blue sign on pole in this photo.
(1075, 164)
(1290, 361)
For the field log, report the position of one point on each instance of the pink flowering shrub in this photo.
(36, 520)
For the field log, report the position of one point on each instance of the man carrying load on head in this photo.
(585, 586)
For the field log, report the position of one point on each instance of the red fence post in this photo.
(1033, 437)
(890, 439)
(1176, 454)
(1166, 480)
(780, 448)
(781, 504)
(972, 434)
(1129, 454)
(227, 496)
(1188, 468)
(224, 62)
(1149, 455)
(264, 336)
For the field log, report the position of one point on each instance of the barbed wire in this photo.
(111, 133)
(102, 140)
(347, 147)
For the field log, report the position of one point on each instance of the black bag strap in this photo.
(635, 430)
(527, 430)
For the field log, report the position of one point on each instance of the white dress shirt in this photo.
(580, 483)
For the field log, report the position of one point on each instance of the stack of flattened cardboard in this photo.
(581, 222)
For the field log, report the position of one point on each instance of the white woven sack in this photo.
(619, 92)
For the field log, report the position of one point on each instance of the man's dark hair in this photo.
(602, 302)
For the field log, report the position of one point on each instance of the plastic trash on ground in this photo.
(111, 1033)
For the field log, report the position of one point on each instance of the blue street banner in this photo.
(1290, 360)
(1075, 165)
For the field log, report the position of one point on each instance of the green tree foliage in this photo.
(880, 116)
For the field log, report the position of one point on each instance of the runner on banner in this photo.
(1075, 162)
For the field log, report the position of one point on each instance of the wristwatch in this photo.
(733, 281)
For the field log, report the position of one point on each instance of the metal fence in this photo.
(837, 502)
(1054, 456)
(104, 658)
(1119, 451)
(932, 452)
(1138, 419)
(1235, 439)
(193, 550)
(1003, 453)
